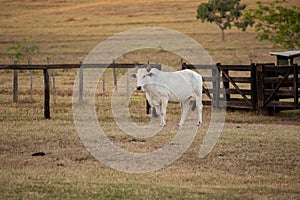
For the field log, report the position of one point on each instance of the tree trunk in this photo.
(223, 35)
(222, 30)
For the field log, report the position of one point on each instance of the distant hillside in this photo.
(67, 30)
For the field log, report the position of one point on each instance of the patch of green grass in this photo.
(60, 189)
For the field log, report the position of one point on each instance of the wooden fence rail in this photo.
(263, 87)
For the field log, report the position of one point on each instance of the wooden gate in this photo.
(240, 89)
(277, 87)
(228, 87)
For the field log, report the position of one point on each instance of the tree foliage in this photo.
(277, 23)
(224, 13)
(23, 49)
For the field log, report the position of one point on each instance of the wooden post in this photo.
(115, 76)
(53, 86)
(103, 85)
(253, 87)
(15, 85)
(31, 81)
(47, 94)
(53, 80)
(296, 86)
(260, 89)
(226, 82)
(127, 86)
(216, 86)
(80, 98)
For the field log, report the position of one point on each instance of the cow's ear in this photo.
(133, 76)
(148, 67)
(151, 74)
(136, 65)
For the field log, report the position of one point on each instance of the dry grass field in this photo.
(256, 157)
(68, 30)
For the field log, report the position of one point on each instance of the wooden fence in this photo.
(226, 89)
(46, 67)
(277, 87)
(263, 87)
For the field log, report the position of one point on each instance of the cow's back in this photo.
(182, 84)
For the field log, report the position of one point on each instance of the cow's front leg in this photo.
(164, 103)
(184, 111)
(158, 111)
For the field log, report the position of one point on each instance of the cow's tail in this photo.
(194, 106)
(206, 91)
(154, 113)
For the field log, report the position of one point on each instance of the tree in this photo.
(23, 48)
(225, 13)
(277, 23)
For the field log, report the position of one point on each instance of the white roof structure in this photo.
(286, 53)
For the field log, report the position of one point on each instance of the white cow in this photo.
(179, 86)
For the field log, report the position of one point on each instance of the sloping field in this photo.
(68, 30)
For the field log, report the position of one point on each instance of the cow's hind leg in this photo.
(199, 108)
(184, 110)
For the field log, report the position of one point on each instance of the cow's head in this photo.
(143, 77)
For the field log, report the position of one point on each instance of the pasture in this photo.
(67, 31)
(256, 157)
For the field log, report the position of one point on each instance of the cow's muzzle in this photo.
(138, 88)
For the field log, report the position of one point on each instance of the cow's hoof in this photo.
(199, 124)
(163, 124)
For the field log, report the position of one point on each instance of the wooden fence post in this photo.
(47, 94)
(52, 74)
(80, 98)
(216, 86)
(225, 81)
(15, 90)
(103, 85)
(127, 86)
(260, 89)
(296, 86)
(31, 82)
(15, 84)
(253, 87)
(115, 76)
